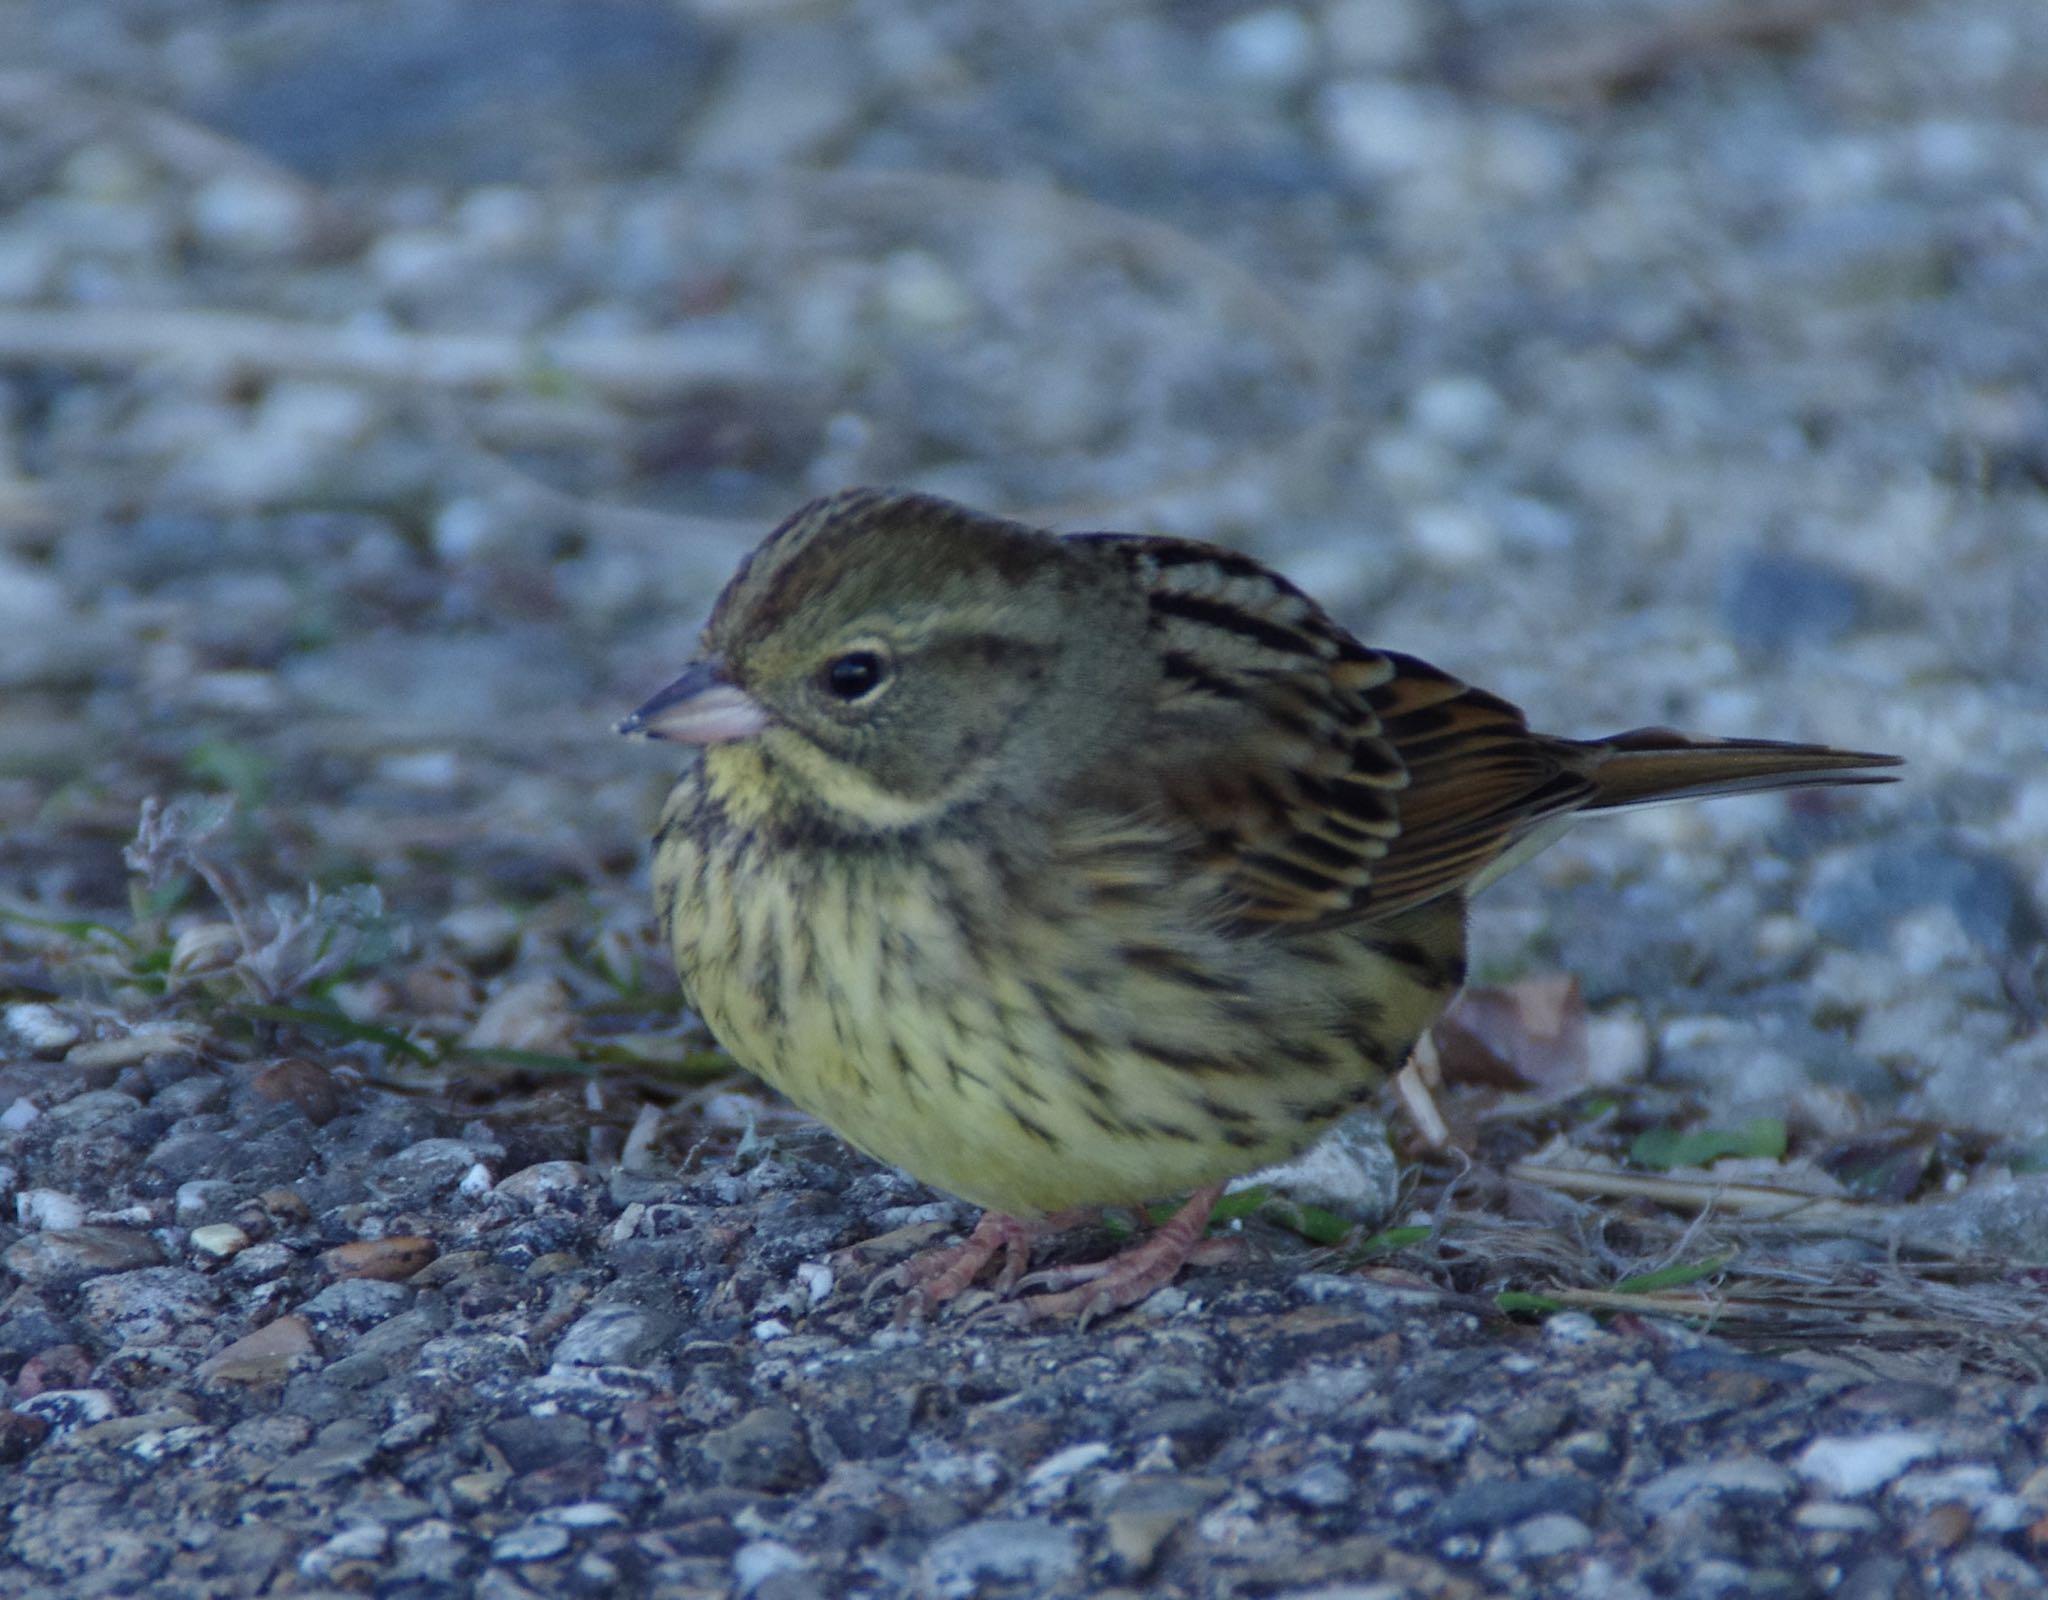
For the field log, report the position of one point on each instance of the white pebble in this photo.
(1462, 410)
(1453, 536)
(1274, 47)
(48, 1208)
(219, 1240)
(1851, 1466)
(41, 1027)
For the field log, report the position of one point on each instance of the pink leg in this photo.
(933, 1277)
(1128, 1277)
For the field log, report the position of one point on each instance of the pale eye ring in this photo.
(855, 675)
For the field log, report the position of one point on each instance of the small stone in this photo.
(42, 1028)
(545, 1183)
(151, 1307)
(615, 1336)
(1462, 410)
(219, 1241)
(366, 1542)
(69, 1410)
(300, 1081)
(1146, 1509)
(1836, 1516)
(48, 1208)
(392, 1259)
(1741, 1476)
(432, 1166)
(1775, 601)
(1274, 47)
(585, 1514)
(754, 1564)
(20, 1432)
(20, 1112)
(355, 1304)
(60, 1257)
(1853, 1466)
(63, 1366)
(252, 213)
(1551, 1534)
(93, 1108)
(1321, 1487)
(536, 1541)
(766, 1450)
(268, 1355)
(203, 1197)
(1039, 1557)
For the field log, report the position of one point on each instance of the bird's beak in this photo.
(703, 706)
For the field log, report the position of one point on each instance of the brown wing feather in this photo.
(1327, 782)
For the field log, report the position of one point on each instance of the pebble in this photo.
(536, 1541)
(266, 1356)
(1858, 1465)
(219, 1240)
(431, 1166)
(59, 1257)
(355, 1303)
(546, 1183)
(755, 1563)
(365, 1542)
(1857, 894)
(1775, 601)
(1551, 1534)
(1274, 47)
(151, 1306)
(392, 1258)
(1038, 1556)
(48, 1208)
(1742, 1476)
(615, 1335)
(42, 1028)
(67, 1411)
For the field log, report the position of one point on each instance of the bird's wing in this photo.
(1324, 781)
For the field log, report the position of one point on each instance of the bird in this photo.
(1065, 871)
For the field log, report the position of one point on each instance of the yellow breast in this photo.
(1031, 1024)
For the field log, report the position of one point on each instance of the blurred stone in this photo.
(469, 91)
(1859, 893)
(1773, 602)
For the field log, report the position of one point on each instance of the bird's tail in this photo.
(1648, 765)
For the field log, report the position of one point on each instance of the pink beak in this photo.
(703, 706)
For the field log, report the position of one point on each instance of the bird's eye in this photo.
(855, 675)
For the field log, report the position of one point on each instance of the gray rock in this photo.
(62, 1256)
(1858, 894)
(535, 1541)
(151, 1306)
(1501, 1502)
(352, 1303)
(615, 1335)
(765, 1450)
(1774, 601)
(1039, 1556)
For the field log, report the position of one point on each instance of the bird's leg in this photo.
(1127, 1277)
(933, 1277)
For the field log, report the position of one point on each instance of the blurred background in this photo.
(387, 387)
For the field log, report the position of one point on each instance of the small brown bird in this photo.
(1086, 870)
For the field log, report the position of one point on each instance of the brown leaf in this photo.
(1527, 1035)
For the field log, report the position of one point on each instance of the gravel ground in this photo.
(385, 389)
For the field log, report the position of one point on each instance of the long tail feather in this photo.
(1647, 765)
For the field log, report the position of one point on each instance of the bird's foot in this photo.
(934, 1278)
(1084, 1293)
